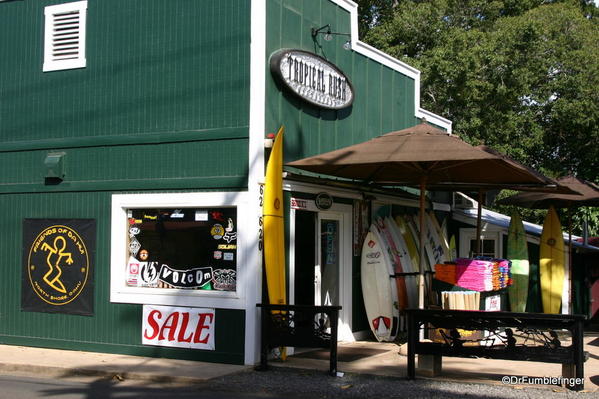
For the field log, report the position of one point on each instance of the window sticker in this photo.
(182, 248)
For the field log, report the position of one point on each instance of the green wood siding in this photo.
(114, 327)
(158, 71)
(162, 105)
(384, 99)
(152, 66)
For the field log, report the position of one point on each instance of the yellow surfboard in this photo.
(274, 234)
(410, 243)
(552, 262)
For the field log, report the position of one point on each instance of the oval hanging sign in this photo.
(312, 78)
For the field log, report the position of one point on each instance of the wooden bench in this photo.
(571, 357)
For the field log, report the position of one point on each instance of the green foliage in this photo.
(521, 76)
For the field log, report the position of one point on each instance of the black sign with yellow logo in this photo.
(58, 268)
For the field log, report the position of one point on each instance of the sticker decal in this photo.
(218, 216)
(228, 256)
(134, 246)
(217, 231)
(190, 278)
(143, 255)
(148, 274)
(132, 272)
(218, 254)
(225, 279)
(201, 216)
(133, 231)
(177, 214)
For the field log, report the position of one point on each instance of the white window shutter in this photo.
(64, 36)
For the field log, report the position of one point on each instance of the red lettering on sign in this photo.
(153, 324)
(181, 337)
(171, 323)
(201, 326)
(181, 327)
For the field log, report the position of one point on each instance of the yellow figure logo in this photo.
(58, 264)
(53, 260)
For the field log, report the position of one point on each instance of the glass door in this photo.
(327, 269)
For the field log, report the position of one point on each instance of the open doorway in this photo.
(321, 261)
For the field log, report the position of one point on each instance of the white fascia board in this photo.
(390, 62)
(356, 194)
(435, 119)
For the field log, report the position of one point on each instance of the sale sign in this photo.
(180, 327)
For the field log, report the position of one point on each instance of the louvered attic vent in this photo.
(64, 46)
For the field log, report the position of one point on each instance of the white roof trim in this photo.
(391, 62)
(435, 119)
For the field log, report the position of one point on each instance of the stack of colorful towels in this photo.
(478, 274)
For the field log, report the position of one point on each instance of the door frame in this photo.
(343, 213)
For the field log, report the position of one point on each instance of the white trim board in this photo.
(121, 293)
(257, 130)
(391, 62)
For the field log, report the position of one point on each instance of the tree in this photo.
(519, 75)
(374, 12)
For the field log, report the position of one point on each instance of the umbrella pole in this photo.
(421, 248)
(481, 195)
(570, 268)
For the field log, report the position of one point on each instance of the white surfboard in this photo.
(378, 288)
(442, 234)
(440, 252)
(388, 244)
(411, 282)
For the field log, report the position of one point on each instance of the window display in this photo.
(184, 248)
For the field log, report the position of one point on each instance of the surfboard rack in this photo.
(539, 339)
(301, 326)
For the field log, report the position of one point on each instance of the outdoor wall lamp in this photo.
(327, 35)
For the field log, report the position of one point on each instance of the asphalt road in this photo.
(279, 382)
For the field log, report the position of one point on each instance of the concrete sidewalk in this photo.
(384, 359)
(56, 363)
(393, 362)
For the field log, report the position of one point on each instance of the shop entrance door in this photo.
(326, 269)
(322, 262)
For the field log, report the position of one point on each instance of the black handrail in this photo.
(299, 326)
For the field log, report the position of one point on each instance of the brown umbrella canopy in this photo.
(588, 196)
(425, 156)
(422, 152)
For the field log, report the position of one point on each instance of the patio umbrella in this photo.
(426, 157)
(588, 195)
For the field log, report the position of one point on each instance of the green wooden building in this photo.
(132, 138)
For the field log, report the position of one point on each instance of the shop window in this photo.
(487, 248)
(185, 248)
(64, 36)
(172, 248)
(490, 244)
